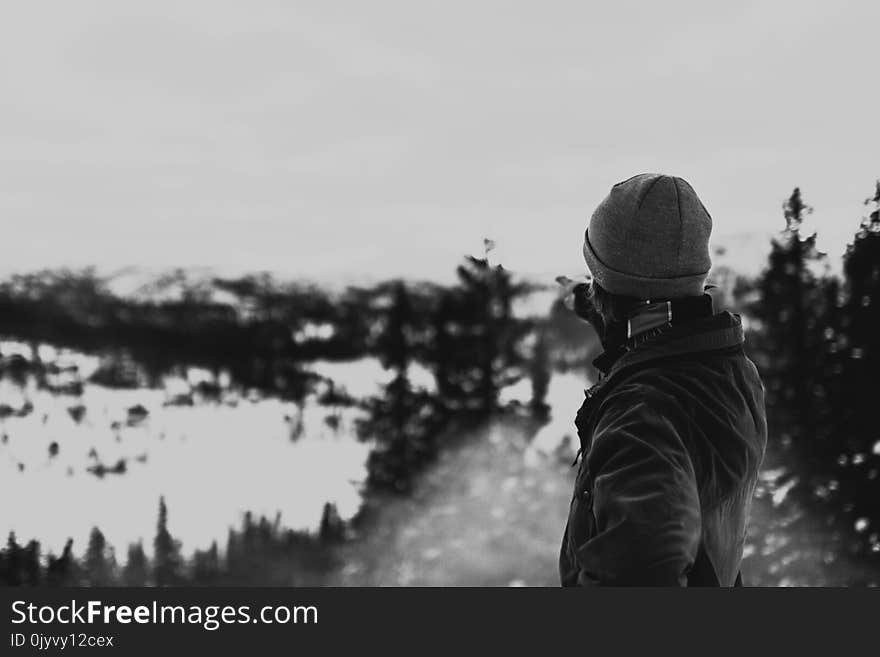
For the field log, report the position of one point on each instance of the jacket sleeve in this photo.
(646, 504)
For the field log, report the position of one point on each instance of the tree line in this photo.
(260, 552)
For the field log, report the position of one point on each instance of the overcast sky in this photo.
(368, 139)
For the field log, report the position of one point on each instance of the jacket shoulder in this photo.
(639, 416)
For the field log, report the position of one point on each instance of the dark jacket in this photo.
(672, 438)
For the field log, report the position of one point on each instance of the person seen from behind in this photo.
(673, 434)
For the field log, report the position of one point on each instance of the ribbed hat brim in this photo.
(641, 287)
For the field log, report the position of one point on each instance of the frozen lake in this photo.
(104, 457)
(76, 455)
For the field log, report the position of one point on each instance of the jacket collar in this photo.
(716, 331)
(720, 331)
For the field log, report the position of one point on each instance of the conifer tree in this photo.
(137, 566)
(206, 566)
(63, 570)
(31, 573)
(441, 353)
(99, 564)
(539, 370)
(167, 562)
(399, 419)
(487, 343)
(791, 311)
(12, 562)
(859, 393)
(332, 527)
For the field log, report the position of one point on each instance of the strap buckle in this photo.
(649, 316)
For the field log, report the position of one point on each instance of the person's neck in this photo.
(648, 318)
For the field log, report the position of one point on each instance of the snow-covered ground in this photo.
(211, 460)
(558, 437)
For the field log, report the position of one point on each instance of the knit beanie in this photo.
(649, 239)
